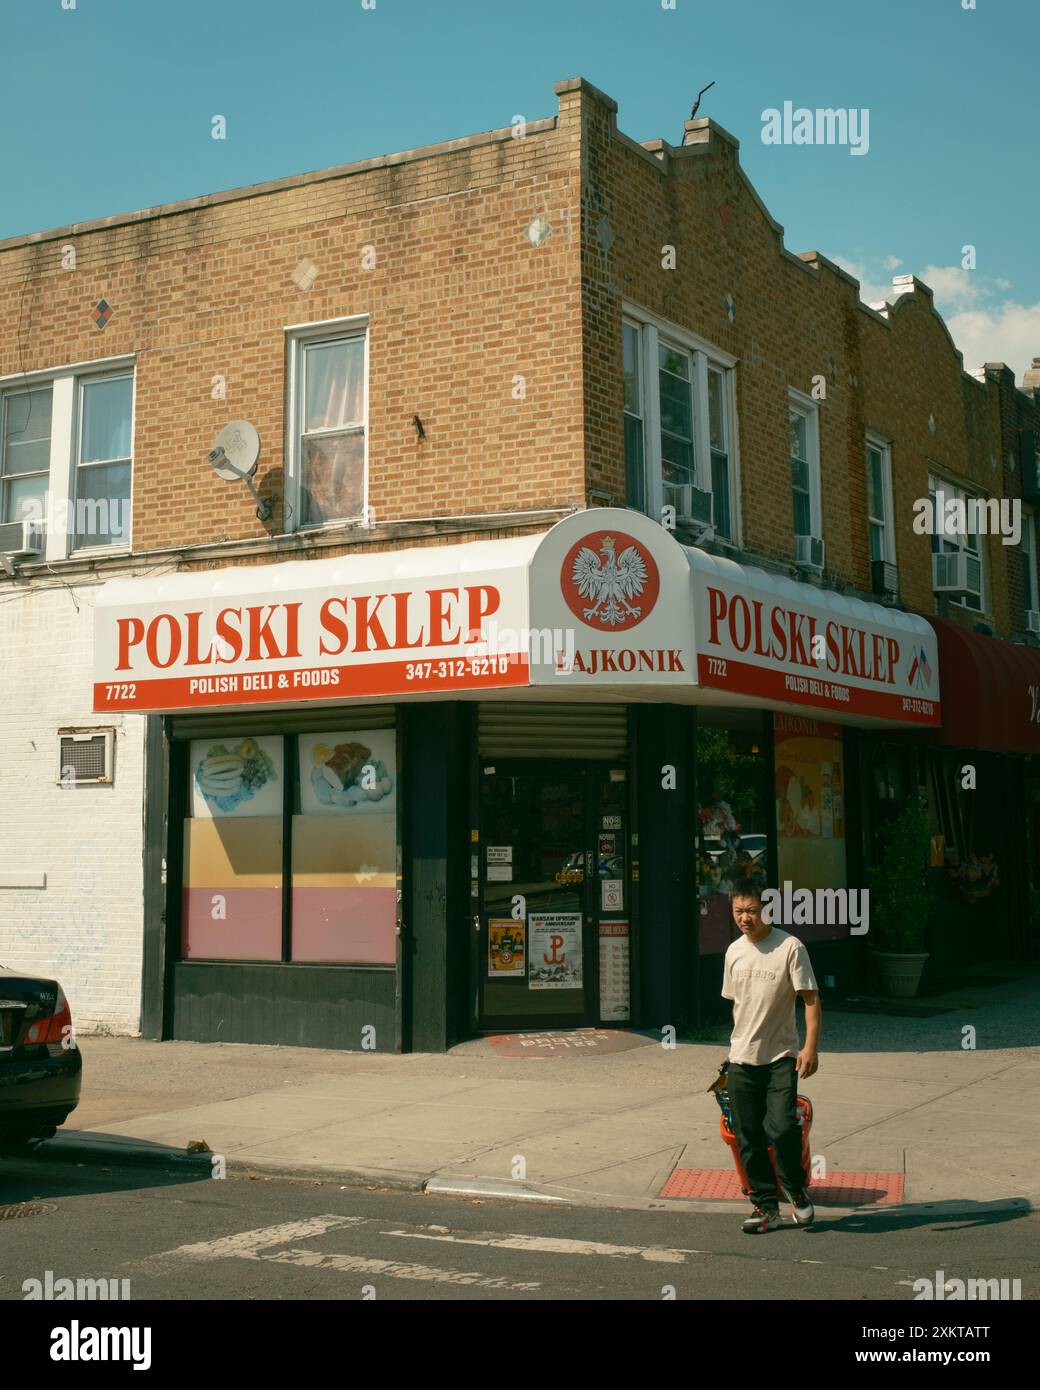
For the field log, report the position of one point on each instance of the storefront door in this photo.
(553, 893)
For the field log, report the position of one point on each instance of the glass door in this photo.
(537, 956)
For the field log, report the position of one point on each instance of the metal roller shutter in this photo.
(510, 730)
(208, 723)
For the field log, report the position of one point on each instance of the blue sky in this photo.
(107, 107)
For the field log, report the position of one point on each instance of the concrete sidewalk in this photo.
(892, 1094)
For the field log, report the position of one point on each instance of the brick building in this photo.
(456, 360)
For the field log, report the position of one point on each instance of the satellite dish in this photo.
(235, 452)
(234, 455)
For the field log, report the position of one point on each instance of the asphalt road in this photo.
(183, 1236)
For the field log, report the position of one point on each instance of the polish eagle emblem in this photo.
(611, 582)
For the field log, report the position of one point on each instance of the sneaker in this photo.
(761, 1222)
(802, 1209)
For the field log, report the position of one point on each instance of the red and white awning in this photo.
(605, 605)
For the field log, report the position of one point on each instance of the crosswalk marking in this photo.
(551, 1245)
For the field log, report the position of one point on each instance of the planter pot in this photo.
(900, 975)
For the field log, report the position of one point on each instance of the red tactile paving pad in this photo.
(839, 1190)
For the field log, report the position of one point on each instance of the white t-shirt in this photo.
(762, 978)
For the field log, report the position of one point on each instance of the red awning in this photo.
(990, 691)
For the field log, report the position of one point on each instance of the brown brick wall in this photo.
(458, 303)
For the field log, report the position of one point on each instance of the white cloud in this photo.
(1006, 332)
(871, 291)
(892, 263)
(953, 287)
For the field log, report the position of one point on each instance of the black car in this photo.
(40, 1064)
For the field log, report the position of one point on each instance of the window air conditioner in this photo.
(957, 572)
(884, 579)
(692, 504)
(85, 757)
(1033, 621)
(23, 537)
(808, 552)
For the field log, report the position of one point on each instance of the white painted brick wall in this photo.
(85, 928)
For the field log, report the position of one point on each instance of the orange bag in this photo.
(803, 1106)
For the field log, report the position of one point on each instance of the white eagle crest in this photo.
(610, 582)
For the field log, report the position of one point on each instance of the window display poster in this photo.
(505, 946)
(351, 773)
(613, 971)
(555, 948)
(233, 776)
(809, 779)
(810, 811)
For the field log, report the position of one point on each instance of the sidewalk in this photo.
(892, 1094)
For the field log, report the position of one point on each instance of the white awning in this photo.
(605, 605)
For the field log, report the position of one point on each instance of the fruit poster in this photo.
(555, 946)
(352, 773)
(505, 947)
(236, 777)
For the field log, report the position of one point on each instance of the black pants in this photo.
(763, 1104)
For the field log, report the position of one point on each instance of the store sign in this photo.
(773, 640)
(610, 601)
(297, 632)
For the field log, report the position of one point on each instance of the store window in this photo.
(732, 816)
(809, 778)
(334, 795)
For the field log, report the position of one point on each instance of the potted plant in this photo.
(899, 901)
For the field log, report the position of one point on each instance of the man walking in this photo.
(765, 968)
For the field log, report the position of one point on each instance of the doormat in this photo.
(580, 1042)
(838, 1190)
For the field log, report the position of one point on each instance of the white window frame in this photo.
(798, 403)
(65, 394)
(297, 337)
(882, 446)
(652, 331)
(938, 482)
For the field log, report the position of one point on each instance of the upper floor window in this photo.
(679, 426)
(879, 501)
(1029, 576)
(963, 579)
(66, 456)
(804, 432)
(25, 453)
(329, 412)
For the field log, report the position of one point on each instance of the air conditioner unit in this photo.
(692, 504)
(1033, 621)
(85, 757)
(884, 579)
(957, 572)
(808, 552)
(23, 537)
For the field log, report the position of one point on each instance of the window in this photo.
(805, 465)
(679, 424)
(948, 540)
(102, 481)
(879, 502)
(328, 372)
(25, 453)
(1029, 587)
(66, 455)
